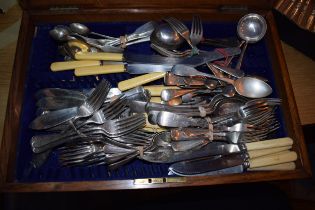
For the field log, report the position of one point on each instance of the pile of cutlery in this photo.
(207, 118)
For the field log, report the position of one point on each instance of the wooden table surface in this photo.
(301, 69)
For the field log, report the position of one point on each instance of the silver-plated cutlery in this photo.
(212, 123)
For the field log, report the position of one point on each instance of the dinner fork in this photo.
(169, 53)
(111, 128)
(180, 28)
(196, 32)
(90, 105)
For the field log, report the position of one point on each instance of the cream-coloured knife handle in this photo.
(99, 56)
(154, 130)
(280, 142)
(278, 158)
(140, 80)
(155, 100)
(69, 65)
(263, 152)
(95, 70)
(156, 90)
(278, 167)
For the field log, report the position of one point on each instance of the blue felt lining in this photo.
(44, 52)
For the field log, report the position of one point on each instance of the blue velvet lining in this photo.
(44, 52)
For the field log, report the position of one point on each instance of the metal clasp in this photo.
(160, 180)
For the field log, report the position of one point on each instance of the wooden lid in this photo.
(145, 4)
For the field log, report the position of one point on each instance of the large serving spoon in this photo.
(251, 28)
(246, 86)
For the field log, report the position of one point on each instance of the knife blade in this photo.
(203, 57)
(206, 165)
(240, 168)
(130, 68)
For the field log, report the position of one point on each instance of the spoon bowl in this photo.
(164, 36)
(251, 28)
(60, 33)
(79, 28)
(252, 87)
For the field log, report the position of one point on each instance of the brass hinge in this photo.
(160, 180)
(233, 8)
(65, 8)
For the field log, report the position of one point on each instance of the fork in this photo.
(89, 107)
(169, 53)
(196, 32)
(180, 28)
(111, 128)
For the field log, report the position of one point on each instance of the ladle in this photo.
(251, 28)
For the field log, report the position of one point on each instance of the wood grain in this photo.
(302, 75)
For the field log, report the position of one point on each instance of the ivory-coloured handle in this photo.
(156, 90)
(280, 142)
(140, 80)
(154, 130)
(69, 65)
(278, 158)
(148, 125)
(278, 167)
(95, 70)
(262, 152)
(99, 56)
(155, 100)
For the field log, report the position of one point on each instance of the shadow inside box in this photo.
(236, 196)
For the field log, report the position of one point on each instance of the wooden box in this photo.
(35, 50)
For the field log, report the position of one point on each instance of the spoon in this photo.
(175, 101)
(84, 30)
(251, 28)
(61, 33)
(228, 91)
(246, 86)
(169, 94)
(164, 36)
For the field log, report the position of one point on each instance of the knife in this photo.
(85, 59)
(240, 168)
(254, 149)
(241, 162)
(121, 68)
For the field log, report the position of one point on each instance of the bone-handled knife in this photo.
(100, 58)
(240, 168)
(67, 65)
(253, 149)
(121, 68)
(239, 162)
(140, 80)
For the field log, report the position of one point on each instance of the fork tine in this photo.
(102, 97)
(96, 91)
